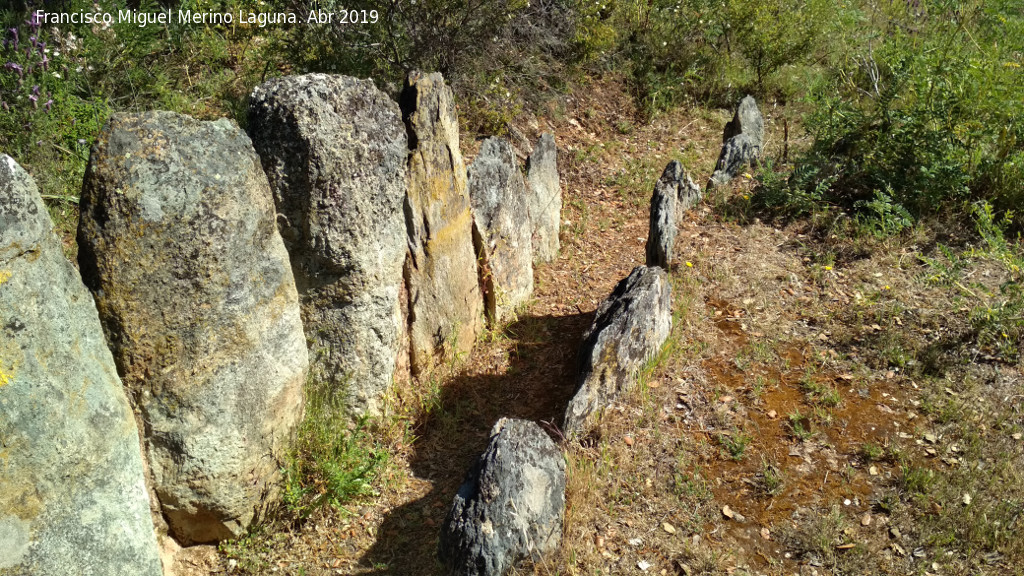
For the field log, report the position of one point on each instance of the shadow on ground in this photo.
(537, 386)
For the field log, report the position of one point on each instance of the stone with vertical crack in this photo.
(445, 303)
(544, 199)
(501, 229)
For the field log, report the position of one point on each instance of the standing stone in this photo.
(501, 228)
(445, 303)
(334, 149)
(511, 506)
(545, 198)
(72, 495)
(674, 194)
(178, 244)
(629, 328)
(741, 142)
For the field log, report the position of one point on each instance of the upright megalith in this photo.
(510, 507)
(674, 194)
(629, 328)
(544, 199)
(334, 149)
(445, 303)
(501, 228)
(178, 243)
(742, 140)
(72, 495)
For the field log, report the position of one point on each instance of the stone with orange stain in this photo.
(178, 242)
(445, 312)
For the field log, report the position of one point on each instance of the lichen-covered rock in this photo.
(334, 149)
(742, 140)
(511, 506)
(545, 198)
(72, 493)
(629, 328)
(177, 241)
(674, 194)
(501, 228)
(445, 303)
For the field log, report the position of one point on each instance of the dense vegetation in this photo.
(915, 107)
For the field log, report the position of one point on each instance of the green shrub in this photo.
(332, 462)
(920, 120)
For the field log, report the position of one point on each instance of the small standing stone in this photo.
(545, 198)
(501, 228)
(511, 506)
(629, 327)
(741, 142)
(674, 194)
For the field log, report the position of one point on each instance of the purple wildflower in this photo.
(49, 104)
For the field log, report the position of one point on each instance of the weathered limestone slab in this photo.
(445, 303)
(511, 506)
(72, 493)
(501, 229)
(742, 140)
(629, 328)
(177, 241)
(334, 149)
(544, 201)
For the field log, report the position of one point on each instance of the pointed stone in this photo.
(742, 141)
(629, 328)
(445, 302)
(72, 493)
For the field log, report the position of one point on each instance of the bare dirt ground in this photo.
(820, 407)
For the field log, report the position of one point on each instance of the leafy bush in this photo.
(927, 117)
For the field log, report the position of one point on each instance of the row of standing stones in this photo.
(512, 503)
(214, 267)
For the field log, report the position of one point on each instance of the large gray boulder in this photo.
(445, 303)
(177, 241)
(501, 228)
(334, 149)
(629, 328)
(742, 141)
(72, 494)
(544, 201)
(511, 506)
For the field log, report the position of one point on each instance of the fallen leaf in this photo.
(727, 512)
(643, 565)
(668, 528)
(846, 546)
